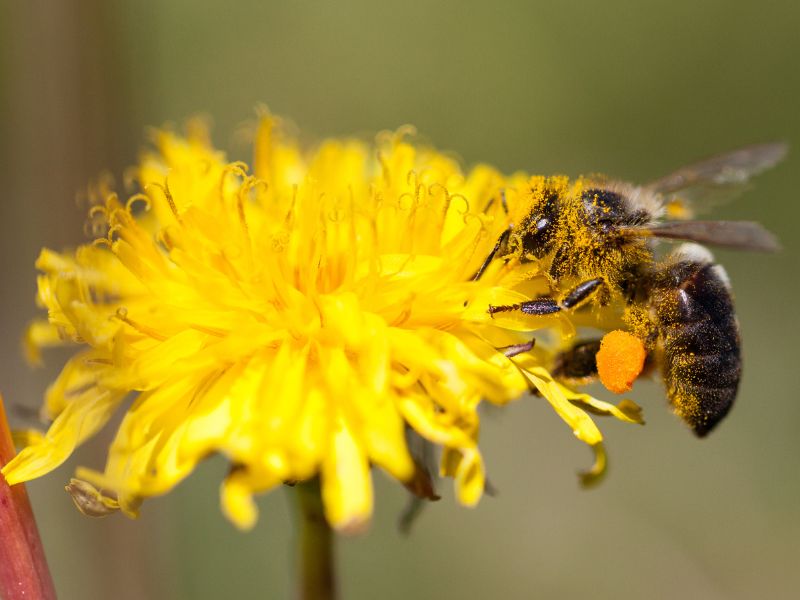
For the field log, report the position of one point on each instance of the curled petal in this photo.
(82, 417)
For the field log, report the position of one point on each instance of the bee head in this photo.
(537, 232)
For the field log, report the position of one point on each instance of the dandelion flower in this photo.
(296, 316)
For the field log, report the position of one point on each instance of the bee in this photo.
(596, 240)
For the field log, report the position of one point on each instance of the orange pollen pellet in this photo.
(620, 360)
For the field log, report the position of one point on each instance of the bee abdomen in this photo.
(702, 358)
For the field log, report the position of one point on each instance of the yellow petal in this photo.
(40, 334)
(466, 466)
(236, 496)
(582, 425)
(346, 481)
(625, 410)
(598, 470)
(82, 417)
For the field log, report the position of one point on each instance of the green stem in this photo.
(316, 568)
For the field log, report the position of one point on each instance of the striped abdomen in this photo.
(700, 337)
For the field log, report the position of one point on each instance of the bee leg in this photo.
(540, 306)
(503, 203)
(579, 362)
(548, 306)
(501, 241)
(516, 349)
(581, 292)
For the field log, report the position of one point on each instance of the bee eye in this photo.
(538, 233)
(542, 224)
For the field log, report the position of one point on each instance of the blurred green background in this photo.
(632, 89)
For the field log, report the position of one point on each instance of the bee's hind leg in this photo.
(578, 362)
(548, 306)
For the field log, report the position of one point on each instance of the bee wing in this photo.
(716, 179)
(741, 235)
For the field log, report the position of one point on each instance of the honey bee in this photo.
(596, 240)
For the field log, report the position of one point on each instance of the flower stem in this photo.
(316, 557)
(23, 568)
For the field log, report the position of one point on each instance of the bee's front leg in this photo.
(501, 242)
(548, 306)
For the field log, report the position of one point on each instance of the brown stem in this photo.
(316, 556)
(23, 568)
